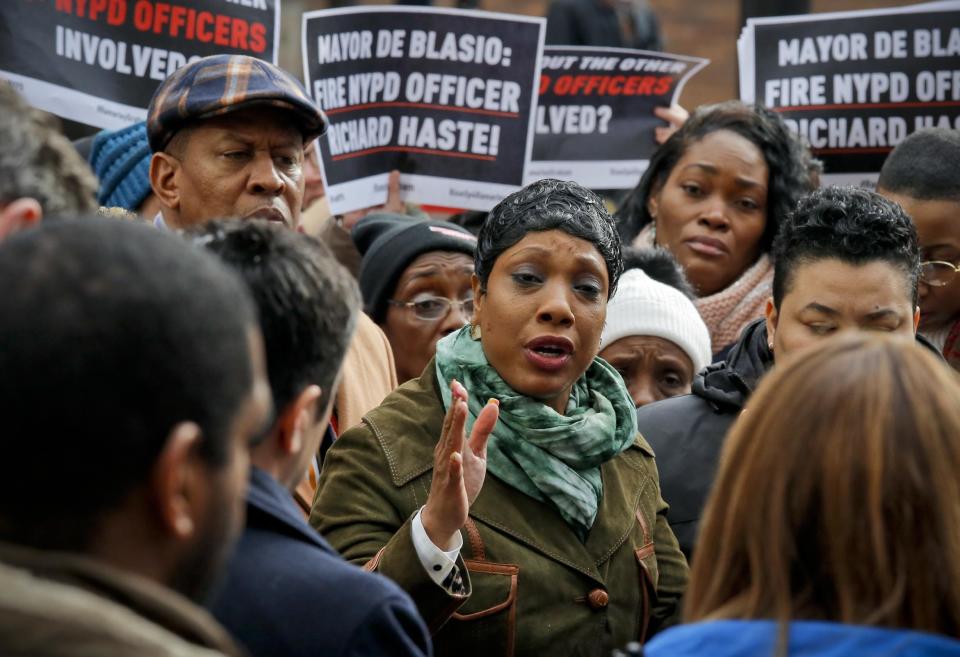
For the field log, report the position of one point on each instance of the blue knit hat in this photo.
(121, 160)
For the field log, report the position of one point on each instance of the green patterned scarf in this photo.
(550, 457)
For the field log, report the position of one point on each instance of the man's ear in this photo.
(916, 319)
(477, 297)
(770, 312)
(164, 180)
(19, 214)
(298, 417)
(174, 480)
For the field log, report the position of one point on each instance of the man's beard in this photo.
(202, 567)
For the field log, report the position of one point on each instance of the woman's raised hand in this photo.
(459, 467)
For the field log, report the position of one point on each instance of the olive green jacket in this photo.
(533, 587)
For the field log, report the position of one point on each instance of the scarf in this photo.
(550, 457)
(727, 312)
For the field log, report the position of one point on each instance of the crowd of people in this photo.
(721, 420)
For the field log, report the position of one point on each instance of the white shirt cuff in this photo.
(438, 563)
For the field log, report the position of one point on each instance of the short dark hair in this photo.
(38, 162)
(306, 301)
(850, 224)
(111, 333)
(924, 166)
(660, 265)
(549, 204)
(792, 169)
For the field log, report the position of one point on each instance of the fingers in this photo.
(394, 203)
(483, 427)
(451, 435)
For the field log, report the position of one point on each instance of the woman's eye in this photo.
(427, 304)
(672, 380)
(589, 290)
(692, 189)
(287, 161)
(821, 329)
(235, 155)
(749, 204)
(525, 279)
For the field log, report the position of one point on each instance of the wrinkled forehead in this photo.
(254, 124)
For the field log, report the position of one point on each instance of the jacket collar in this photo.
(266, 497)
(731, 382)
(525, 519)
(142, 596)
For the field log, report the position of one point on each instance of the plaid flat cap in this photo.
(220, 84)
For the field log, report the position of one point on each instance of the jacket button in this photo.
(598, 599)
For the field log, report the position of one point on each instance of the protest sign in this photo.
(855, 84)
(594, 119)
(443, 95)
(99, 61)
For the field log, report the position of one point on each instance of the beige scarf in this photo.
(727, 312)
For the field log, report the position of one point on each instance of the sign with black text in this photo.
(855, 84)
(443, 95)
(594, 119)
(99, 61)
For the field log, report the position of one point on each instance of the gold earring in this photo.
(475, 331)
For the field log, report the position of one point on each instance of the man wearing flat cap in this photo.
(228, 134)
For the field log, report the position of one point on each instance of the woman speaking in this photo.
(564, 548)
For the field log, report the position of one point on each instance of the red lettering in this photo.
(663, 85)
(239, 37)
(615, 88)
(192, 24)
(65, 5)
(161, 15)
(96, 8)
(177, 19)
(203, 26)
(118, 13)
(222, 36)
(544, 83)
(562, 85)
(258, 37)
(142, 15)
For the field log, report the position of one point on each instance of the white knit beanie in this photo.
(643, 306)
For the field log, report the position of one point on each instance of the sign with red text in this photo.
(594, 119)
(99, 61)
(445, 96)
(855, 84)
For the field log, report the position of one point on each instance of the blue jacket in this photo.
(287, 593)
(807, 639)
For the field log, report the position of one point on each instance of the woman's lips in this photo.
(707, 246)
(548, 353)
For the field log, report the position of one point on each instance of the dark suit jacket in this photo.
(288, 593)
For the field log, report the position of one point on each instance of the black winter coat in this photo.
(687, 432)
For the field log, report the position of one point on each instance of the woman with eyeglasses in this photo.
(415, 279)
(544, 532)
(921, 175)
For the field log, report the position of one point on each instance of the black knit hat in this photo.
(390, 242)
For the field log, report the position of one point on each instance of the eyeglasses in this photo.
(937, 272)
(431, 309)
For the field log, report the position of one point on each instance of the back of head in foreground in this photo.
(123, 349)
(307, 305)
(836, 498)
(41, 174)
